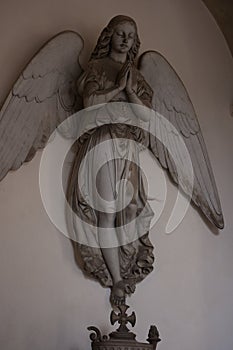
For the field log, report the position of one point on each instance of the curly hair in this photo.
(103, 45)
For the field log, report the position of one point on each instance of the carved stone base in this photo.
(122, 338)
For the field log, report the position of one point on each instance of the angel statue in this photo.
(53, 87)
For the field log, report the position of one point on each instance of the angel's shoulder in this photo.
(93, 74)
(138, 74)
(96, 65)
(143, 85)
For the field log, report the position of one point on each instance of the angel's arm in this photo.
(94, 92)
(93, 96)
(139, 93)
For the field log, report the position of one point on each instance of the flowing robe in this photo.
(111, 140)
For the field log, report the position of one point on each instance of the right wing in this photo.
(43, 96)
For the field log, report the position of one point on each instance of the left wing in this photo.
(174, 106)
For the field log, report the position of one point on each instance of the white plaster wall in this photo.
(46, 303)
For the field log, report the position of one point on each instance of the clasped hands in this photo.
(125, 79)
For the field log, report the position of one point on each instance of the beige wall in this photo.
(46, 303)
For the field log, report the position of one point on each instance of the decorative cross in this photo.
(122, 318)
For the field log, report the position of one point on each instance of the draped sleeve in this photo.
(144, 91)
(93, 79)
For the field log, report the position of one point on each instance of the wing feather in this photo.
(172, 101)
(42, 97)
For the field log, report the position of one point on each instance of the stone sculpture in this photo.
(53, 86)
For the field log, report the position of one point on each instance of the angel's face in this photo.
(123, 37)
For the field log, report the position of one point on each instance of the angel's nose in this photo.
(125, 40)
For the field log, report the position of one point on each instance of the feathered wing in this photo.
(172, 102)
(43, 96)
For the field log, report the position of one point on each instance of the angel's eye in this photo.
(119, 33)
(131, 36)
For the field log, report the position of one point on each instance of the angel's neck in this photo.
(118, 56)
